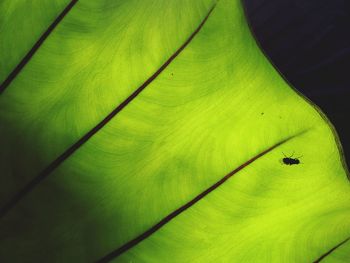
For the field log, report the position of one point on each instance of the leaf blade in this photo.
(15, 11)
(166, 147)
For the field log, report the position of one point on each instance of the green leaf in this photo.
(339, 253)
(23, 32)
(154, 131)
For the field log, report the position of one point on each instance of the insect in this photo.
(290, 161)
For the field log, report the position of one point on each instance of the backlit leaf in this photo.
(154, 131)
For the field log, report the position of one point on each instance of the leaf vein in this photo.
(331, 251)
(74, 147)
(130, 244)
(36, 46)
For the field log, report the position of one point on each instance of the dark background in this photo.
(309, 42)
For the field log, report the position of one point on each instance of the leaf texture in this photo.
(218, 105)
(22, 32)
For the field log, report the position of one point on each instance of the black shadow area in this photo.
(309, 42)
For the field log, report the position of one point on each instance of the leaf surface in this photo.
(211, 105)
(21, 30)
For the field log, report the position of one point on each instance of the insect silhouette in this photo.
(290, 161)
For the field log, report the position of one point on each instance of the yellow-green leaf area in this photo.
(218, 104)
